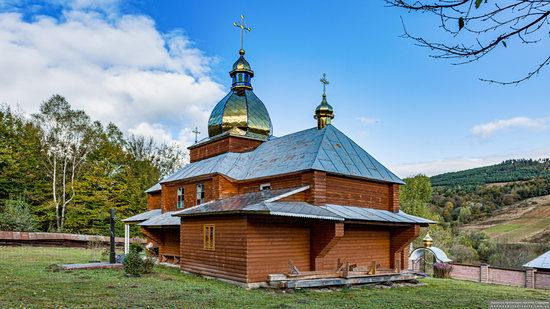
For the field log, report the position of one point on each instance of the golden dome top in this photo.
(241, 65)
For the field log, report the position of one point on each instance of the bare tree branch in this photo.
(485, 24)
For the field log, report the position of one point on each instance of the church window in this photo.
(200, 193)
(209, 237)
(180, 197)
(240, 78)
(265, 186)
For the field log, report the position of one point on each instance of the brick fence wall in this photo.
(466, 272)
(9, 238)
(529, 278)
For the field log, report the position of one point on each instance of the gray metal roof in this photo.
(239, 203)
(374, 215)
(293, 209)
(266, 202)
(543, 261)
(143, 216)
(154, 188)
(165, 219)
(326, 150)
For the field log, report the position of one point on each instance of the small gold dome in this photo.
(241, 65)
(324, 113)
(427, 241)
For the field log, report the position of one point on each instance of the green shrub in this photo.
(133, 263)
(148, 265)
(16, 216)
(136, 247)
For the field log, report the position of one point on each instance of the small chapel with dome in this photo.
(250, 205)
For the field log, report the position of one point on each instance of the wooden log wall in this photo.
(272, 242)
(227, 260)
(400, 238)
(171, 242)
(223, 145)
(361, 193)
(280, 182)
(170, 193)
(154, 200)
(317, 181)
(361, 244)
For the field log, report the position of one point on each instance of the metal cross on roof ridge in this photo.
(243, 28)
(197, 132)
(325, 82)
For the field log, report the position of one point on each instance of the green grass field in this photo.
(25, 283)
(503, 228)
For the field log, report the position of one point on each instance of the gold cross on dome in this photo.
(243, 28)
(325, 82)
(197, 132)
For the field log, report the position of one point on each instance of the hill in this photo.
(507, 171)
(524, 221)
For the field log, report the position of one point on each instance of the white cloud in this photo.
(161, 134)
(488, 129)
(436, 167)
(367, 120)
(118, 69)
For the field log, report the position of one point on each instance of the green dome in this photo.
(240, 112)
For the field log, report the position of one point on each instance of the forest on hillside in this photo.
(62, 171)
(507, 171)
(464, 196)
(454, 206)
(458, 198)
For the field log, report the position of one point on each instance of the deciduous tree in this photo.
(475, 28)
(67, 137)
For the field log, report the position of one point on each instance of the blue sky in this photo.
(413, 113)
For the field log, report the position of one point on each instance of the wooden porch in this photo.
(344, 275)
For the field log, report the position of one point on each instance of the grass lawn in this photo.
(25, 283)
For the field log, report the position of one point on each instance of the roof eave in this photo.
(225, 134)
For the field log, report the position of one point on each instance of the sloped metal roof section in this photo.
(143, 216)
(154, 188)
(259, 203)
(543, 261)
(166, 219)
(237, 203)
(326, 150)
(374, 215)
(297, 210)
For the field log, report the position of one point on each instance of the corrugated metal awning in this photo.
(166, 219)
(143, 216)
(154, 188)
(374, 215)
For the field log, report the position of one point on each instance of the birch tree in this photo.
(167, 158)
(67, 137)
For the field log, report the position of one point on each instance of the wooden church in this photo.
(249, 204)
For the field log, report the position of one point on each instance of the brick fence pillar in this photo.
(484, 273)
(530, 278)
